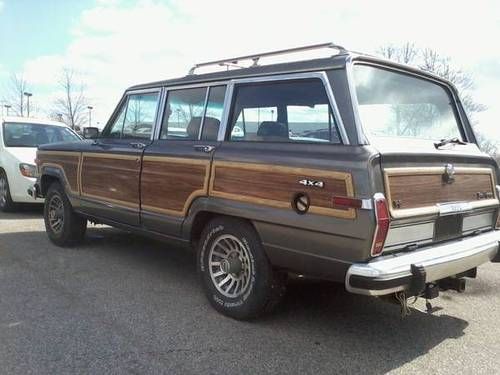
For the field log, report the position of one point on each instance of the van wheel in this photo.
(6, 202)
(235, 272)
(64, 227)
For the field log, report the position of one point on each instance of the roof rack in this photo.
(255, 58)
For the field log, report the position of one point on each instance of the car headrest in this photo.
(210, 129)
(272, 129)
(193, 127)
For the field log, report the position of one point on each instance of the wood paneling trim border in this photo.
(103, 199)
(41, 153)
(196, 193)
(285, 204)
(433, 209)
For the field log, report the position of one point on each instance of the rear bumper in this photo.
(396, 272)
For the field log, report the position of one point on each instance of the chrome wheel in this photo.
(56, 214)
(3, 191)
(229, 265)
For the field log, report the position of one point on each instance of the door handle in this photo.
(138, 145)
(204, 148)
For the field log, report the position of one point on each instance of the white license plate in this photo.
(453, 208)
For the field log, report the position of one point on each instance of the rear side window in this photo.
(283, 111)
(192, 114)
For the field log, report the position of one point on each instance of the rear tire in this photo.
(6, 202)
(64, 227)
(236, 274)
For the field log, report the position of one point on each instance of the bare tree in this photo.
(16, 87)
(70, 107)
(431, 61)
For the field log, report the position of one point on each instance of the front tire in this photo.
(6, 202)
(64, 227)
(237, 277)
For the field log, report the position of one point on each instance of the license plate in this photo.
(448, 227)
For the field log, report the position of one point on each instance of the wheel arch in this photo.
(201, 213)
(49, 176)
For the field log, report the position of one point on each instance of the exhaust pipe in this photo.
(452, 283)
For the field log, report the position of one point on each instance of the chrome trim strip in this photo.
(200, 130)
(439, 262)
(362, 138)
(225, 111)
(159, 115)
(296, 76)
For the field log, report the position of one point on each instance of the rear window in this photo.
(283, 111)
(393, 104)
(33, 135)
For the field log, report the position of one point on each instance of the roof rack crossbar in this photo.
(255, 58)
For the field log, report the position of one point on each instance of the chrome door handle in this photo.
(137, 145)
(204, 148)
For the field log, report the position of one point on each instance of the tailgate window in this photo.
(393, 104)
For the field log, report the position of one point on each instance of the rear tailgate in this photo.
(436, 195)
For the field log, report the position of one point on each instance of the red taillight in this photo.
(346, 202)
(383, 222)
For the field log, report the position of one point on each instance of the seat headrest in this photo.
(210, 129)
(272, 129)
(193, 127)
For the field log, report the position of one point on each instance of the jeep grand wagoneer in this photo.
(347, 168)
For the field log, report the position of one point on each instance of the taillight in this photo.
(383, 221)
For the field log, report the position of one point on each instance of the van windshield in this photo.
(394, 104)
(33, 135)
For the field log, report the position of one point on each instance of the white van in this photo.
(19, 139)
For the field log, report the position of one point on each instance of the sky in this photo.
(113, 44)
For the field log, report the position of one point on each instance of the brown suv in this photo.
(347, 168)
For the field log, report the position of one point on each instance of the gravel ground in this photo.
(123, 304)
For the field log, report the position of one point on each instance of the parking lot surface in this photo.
(121, 304)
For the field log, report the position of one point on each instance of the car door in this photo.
(176, 166)
(110, 169)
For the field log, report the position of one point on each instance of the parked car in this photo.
(350, 168)
(19, 139)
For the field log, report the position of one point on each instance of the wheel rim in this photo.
(56, 213)
(3, 191)
(230, 266)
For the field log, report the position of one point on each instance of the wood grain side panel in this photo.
(168, 185)
(112, 179)
(414, 191)
(276, 186)
(68, 162)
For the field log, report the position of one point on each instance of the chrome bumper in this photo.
(391, 273)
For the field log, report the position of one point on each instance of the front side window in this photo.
(33, 135)
(283, 111)
(393, 104)
(140, 117)
(135, 118)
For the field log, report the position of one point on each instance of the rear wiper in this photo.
(446, 141)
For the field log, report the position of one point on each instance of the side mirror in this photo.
(90, 133)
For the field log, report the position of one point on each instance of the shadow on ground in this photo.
(24, 212)
(317, 324)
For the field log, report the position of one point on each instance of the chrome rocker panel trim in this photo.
(439, 262)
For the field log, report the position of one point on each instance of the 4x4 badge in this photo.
(312, 183)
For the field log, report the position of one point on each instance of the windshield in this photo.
(33, 135)
(394, 104)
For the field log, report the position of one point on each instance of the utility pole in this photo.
(28, 96)
(7, 106)
(90, 108)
